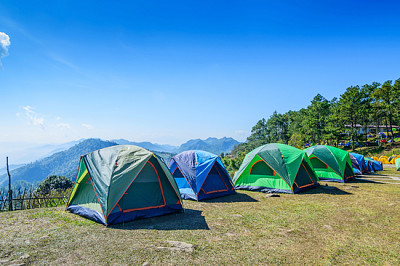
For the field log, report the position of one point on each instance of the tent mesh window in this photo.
(261, 168)
(317, 163)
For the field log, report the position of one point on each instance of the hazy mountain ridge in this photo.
(148, 145)
(213, 145)
(66, 162)
(61, 163)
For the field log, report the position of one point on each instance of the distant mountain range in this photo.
(213, 145)
(65, 162)
(148, 145)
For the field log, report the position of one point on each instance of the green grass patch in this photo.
(356, 223)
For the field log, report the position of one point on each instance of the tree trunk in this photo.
(390, 122)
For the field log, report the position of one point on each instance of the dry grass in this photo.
(359, 222)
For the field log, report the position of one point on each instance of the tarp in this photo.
(375, 165)
(360, 160)
(121, 183)
(200, 175)
(275, 168)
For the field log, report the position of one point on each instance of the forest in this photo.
(332, 122)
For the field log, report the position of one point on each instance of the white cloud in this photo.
(28, 109)
(87, 126)
(33, 117)
(4, 44)
(63, 125)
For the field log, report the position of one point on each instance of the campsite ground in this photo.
(356, 222)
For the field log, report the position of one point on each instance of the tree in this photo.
(349, 105)
(366, 108)
(334, 123)
(315, 120)
(259, 131)
(54, 182)
(387, 95)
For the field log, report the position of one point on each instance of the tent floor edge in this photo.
(302, 189)
(87, 213)
(121, 217)
(210, 196)
(331, 180)
(264, 189)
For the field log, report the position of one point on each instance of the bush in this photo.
(54, 182)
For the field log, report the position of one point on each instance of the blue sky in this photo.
(170, 71)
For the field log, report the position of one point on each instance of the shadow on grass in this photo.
(361, 180)
(237, 197)
(187, 220)
(326, 190)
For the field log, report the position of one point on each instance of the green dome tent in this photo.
(330, 163)
(122, 183)
(276, 168)
(397, 164)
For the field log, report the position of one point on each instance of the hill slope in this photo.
(60, 163)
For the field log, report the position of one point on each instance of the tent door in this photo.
(137, 196)
(214, 182)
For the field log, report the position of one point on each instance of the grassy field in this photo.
(353, 223)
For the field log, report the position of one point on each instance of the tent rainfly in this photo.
(122, 183)
(200, 175)
(330, 163)
(276, 168)
(397, 164)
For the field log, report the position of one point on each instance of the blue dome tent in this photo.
(200, 175)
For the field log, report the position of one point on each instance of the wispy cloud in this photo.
(87, 126)
(4, 44)
(63, 125)
(33, 117)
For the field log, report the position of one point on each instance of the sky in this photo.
(170, 71)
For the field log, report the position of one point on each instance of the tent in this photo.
(355, 165)
(330, 163)
(276, 168)
(122, 183)
(397, 164)
(200, 175)
(374, 165)
(360, 161)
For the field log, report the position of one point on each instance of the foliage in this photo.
(327, 121)
(54, 182)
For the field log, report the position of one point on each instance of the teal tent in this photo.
(122, 183)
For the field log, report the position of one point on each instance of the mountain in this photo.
(148, 145)
(11, 167)
(213, 145)
(61, 163)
